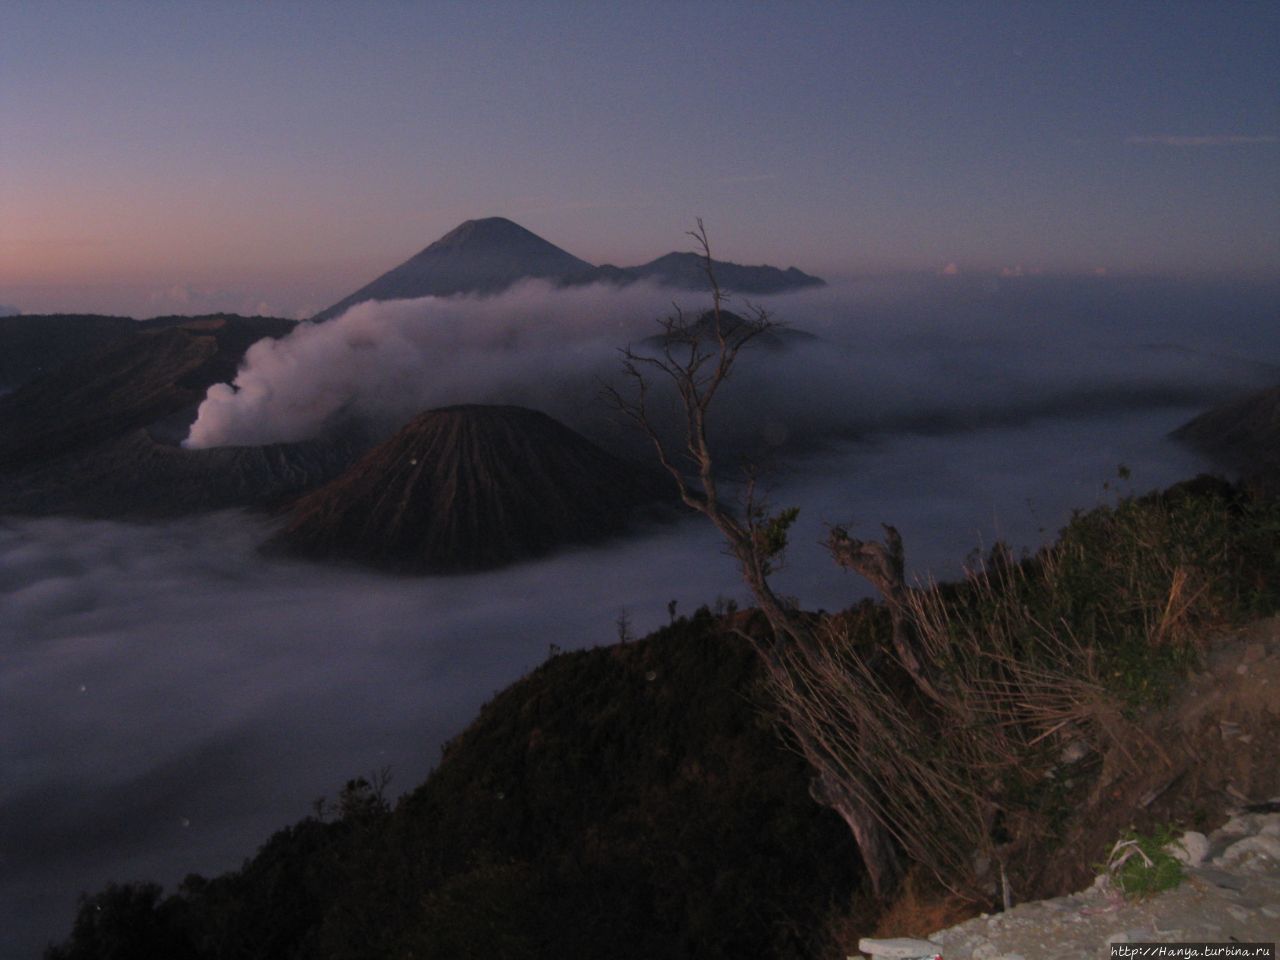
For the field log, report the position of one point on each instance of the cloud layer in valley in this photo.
(911, 354)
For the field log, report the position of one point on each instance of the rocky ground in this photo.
(1220, 736)
(1232, 895)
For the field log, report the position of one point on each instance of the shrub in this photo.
(1140, 865)
(1030, 662)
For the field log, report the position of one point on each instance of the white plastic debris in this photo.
(899, 948)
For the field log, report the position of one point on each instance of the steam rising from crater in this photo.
(389, 360)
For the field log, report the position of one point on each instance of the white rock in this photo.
(1191, 848)
(899, 947)
(1240, 826)
(1076, 750)
(1250, 847)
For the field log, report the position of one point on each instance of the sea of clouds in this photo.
(169, 696)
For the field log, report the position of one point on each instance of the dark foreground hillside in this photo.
(629, 801)
(1242, 435)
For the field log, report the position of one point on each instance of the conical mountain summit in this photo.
(470, 488)
(479, 256)
(489, 255)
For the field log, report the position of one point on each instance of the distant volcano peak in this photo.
(487, 230)
(479, 256)
(489, 255)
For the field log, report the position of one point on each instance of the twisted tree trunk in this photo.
(833, 785)
(882, 565)
(876, 848)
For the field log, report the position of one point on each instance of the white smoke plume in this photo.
(534, 344)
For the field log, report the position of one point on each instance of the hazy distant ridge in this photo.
(686, 270)
(1242, 434)
(489, 255)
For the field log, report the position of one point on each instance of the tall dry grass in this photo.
(1041, 667)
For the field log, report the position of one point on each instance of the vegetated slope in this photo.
(1215, 744)
(1068, 717)
(132, 382)
(133, 476)
(97, 435)
(100, 397)
(626, 802)
(1242, 434)
(478, 256)
(470, 487)
(489, 255)
(34, 344)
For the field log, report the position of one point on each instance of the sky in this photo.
(272, 157)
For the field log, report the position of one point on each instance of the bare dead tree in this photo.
(696, 357)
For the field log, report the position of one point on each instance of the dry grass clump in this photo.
(922, 908)
(945, 770)
(1036, 669)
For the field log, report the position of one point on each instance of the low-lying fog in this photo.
(169, 698)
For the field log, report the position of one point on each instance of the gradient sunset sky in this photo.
(271, 157)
